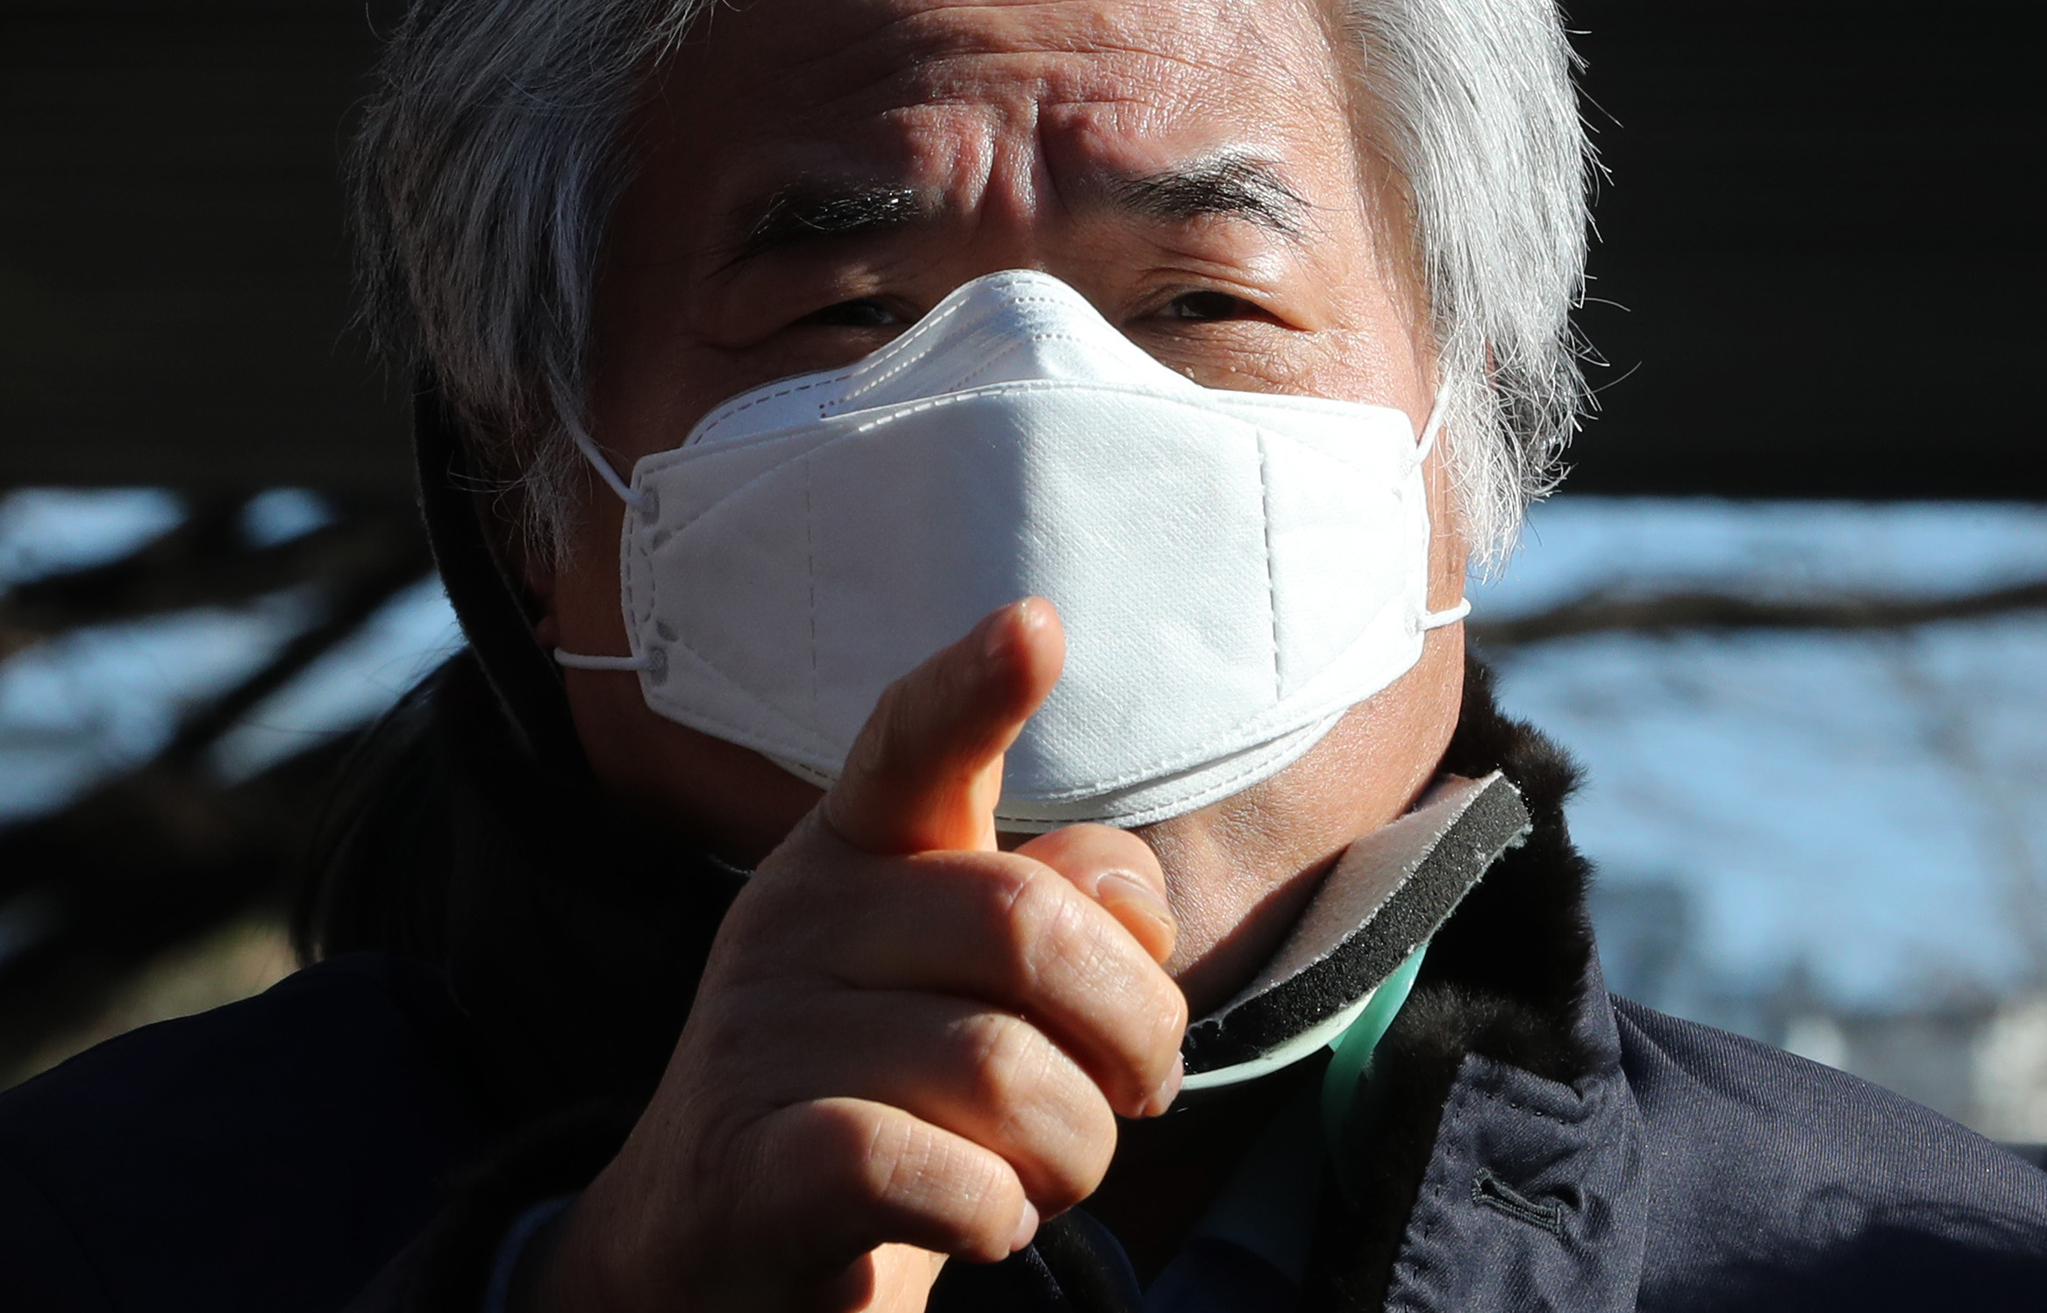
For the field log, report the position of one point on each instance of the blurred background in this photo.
(1790, 612)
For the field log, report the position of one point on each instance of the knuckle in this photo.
(817, 1172)
(1011, 901)
(988, 1200)
(1141, 1038)
(1050, 1121)
(1076, 1166)
(896, 1163)
(876, 1162)
(1061, 1180)
(1168, 1017)
(1011, 1063)
(841, 1138)
(958, 1194)
(1155, 1027)
(983, 1230)
(1045, 921)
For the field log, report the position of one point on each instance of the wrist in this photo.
(592, 1261)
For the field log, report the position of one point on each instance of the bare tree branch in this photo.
(166, 851)
(1604, 612)
(355, 601)
(205, 561)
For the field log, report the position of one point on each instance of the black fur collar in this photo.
(1505, 978)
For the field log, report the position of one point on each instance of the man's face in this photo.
(811, 177)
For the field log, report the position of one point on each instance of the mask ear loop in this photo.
(1450, 616)
(1439, 414)
(1430, 431)
(603, 466)
(579, 660)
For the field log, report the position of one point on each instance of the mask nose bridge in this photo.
(1019, 351)
(1019, 326)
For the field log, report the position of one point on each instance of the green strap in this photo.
(1352, 1051)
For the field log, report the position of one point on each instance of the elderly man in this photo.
(960, 514)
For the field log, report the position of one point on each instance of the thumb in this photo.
(926, 771)
(895, 1279)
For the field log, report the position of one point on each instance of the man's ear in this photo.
(540, 576)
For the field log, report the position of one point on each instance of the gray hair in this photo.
(486, 170)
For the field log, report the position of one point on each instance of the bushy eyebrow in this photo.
(1230, 185)
(805, 213)
(1227, 186)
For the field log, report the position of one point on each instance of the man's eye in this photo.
(1209, 305)
(863, 313)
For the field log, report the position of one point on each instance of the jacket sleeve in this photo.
(498, 1214)
(43, 1264)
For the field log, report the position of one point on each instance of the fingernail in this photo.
(1168, 1090)
(1026, 1227)
(1115, 888)
(1001, 635)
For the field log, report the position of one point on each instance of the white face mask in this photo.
(1234, 569)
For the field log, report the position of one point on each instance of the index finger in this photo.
(926, 770)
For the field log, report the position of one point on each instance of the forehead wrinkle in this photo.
(886, 68)
(1145, 113)
(925, 53)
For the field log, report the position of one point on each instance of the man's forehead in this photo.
(925, 37)
(896, 89)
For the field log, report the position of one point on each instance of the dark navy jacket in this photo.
(363, 1132)
(276, 1154)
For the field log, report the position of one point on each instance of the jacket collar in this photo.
(1498, 1158)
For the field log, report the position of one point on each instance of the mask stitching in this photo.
(923, 329)
(810, 567)
(750, 736)
(745, 736)
(1158, 806)
(917, 358)
(661, 462)
(869, 426)
(1010, 350)
(1271, 579)
(900, 366)
(1202, 792)
(987, 363)
(1025, 386)
(670, 460)
(1193, 757)
(628, 587)
(705, 721)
